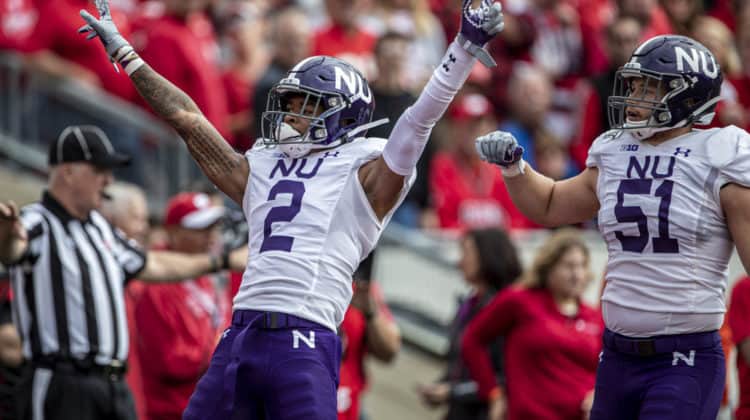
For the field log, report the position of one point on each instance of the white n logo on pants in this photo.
(677, 356)
(297, 336)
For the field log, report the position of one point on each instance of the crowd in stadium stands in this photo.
(556, 66)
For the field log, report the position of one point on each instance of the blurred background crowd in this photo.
(556, 66)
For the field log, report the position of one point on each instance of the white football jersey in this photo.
(310, 225)
(661, 217)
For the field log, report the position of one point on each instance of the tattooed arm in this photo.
(227, 169)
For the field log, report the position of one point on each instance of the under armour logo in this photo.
(331, 154)
(451, 59)
(689, 360)
(678, 151)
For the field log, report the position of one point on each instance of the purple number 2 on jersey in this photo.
(282, 214)
(634, 214)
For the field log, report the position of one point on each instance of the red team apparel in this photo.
(352, 376)
(178, 327)
(183, 52)
(17, 21)
(739, 321)
(551, 358)
(57, 31)
(355, 47)
(472, 197)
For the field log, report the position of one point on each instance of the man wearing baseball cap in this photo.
(68, 269)
(179, 324)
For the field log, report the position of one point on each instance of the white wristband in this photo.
(514, 170)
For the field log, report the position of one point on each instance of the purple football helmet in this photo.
(326, 83)
(681, 69)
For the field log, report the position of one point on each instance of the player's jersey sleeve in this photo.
(729, 151)
(593, 160)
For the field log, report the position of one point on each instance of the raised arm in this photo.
(13, 237)
(227, 169)
(383, 178)
(541, 199)
(168, 266)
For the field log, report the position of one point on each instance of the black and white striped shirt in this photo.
(68, 287)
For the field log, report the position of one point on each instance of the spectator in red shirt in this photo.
(739, 321)
(650, 15)
(59, 49)
(182, 47)
(17, 21)
(552, 338)
(178, 324)
(466, 192)
(368, 329)
(344, 38)
(489, 263)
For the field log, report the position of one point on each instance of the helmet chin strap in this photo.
(642, 131)
(364, 127)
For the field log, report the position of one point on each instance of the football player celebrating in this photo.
(670, 201)
(316, 195)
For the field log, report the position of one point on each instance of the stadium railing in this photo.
(33, 104)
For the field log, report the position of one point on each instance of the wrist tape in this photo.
(514, 169)
(128, 59)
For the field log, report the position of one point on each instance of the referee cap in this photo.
(192, 211)
(86, 143)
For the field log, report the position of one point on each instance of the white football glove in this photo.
(501, 148)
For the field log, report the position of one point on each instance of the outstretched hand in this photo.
(479, 26)
(104, 28)
(10, 223)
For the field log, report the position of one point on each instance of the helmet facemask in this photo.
(641, 90)
(320, 108)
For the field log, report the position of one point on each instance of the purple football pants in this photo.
(674, 377)
(269, 366)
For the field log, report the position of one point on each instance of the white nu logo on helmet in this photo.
(696, 59)
(354, 84)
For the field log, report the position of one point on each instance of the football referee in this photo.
(68, 269)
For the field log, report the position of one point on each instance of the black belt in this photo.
(271, 320)
(114, 371)
(664, 344)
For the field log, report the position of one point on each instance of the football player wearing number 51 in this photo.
(316, 194)
(671, 201)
